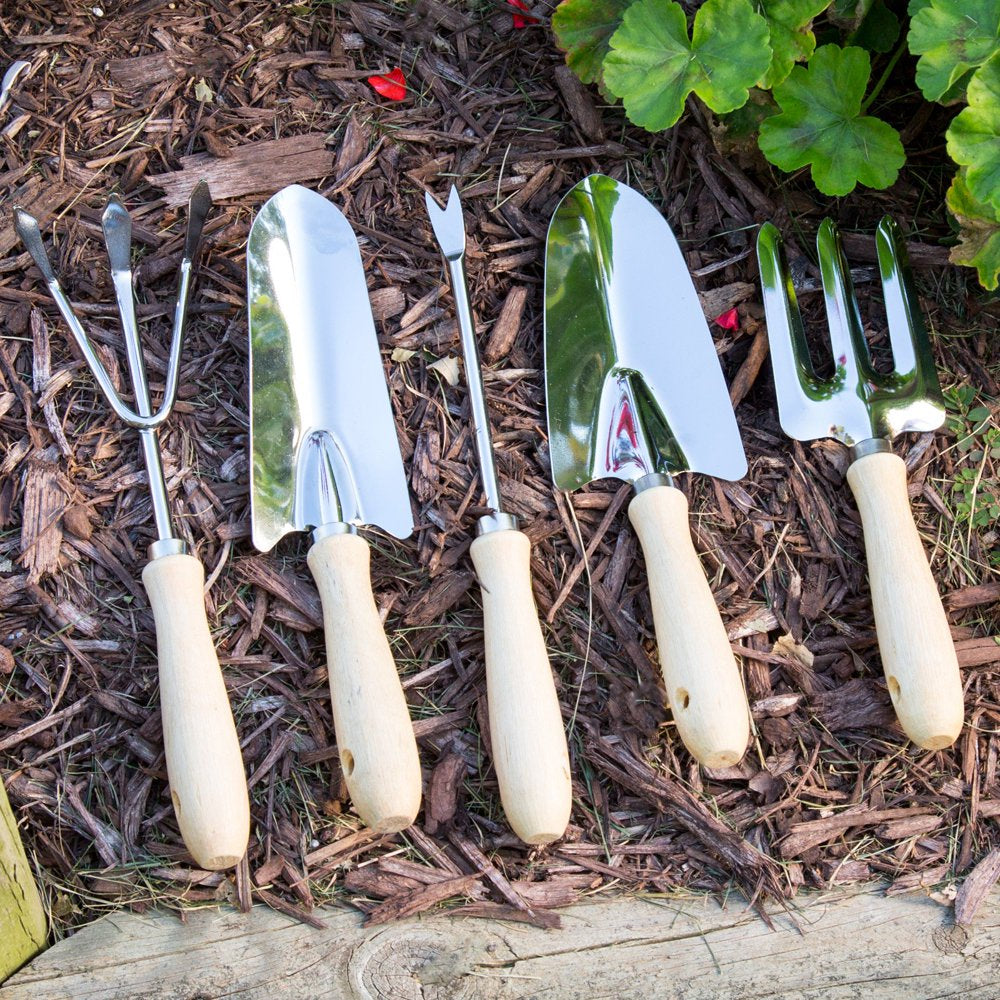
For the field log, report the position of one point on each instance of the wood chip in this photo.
(257, 168)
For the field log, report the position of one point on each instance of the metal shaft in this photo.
(122, 281)
(474, 380)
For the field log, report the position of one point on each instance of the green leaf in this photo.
(792, 40)
(849, 13)
(653, 65)
(974, 135)
(979, 232)
(821, 124)
(952, 38)
(878, 31)
(582, 29)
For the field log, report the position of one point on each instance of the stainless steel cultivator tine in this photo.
(864, 410)
(204, 763)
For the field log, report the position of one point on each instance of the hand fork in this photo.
(865, 410)
(204, 763)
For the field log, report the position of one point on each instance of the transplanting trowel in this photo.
(325, 455)
(865, 409)
(634, 390)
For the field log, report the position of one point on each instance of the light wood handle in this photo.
(526, 727)
(204, 764)
(371, 720)
(918, 655)
(703, 681)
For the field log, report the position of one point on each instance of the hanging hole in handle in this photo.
(681, 698)
(894, 689)
(347, 762)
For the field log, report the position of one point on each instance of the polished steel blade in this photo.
(633, 383)
(856, 403)
(323, 442)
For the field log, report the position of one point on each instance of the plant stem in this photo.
(876, 90)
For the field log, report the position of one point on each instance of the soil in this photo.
(143, 98)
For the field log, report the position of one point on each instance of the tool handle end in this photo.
(526, 727)
(371, 720)
(918, 654)
(703, 681)
(204, 764)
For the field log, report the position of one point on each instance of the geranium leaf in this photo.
(821, 125)
(974, 134)
(952, 38)
(653, 65)
(582, 29)
(979, 232)
(878, 31)
(792, 40)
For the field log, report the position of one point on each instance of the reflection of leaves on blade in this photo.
(952, 38)
(792, 40)
(979, 232)
(974, 135)
(582, 29)
(653, 65)
(666, 450)
(821, 125)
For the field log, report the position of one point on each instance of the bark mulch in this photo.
(144, 98)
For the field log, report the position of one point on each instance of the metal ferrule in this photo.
(653, 480)
(496, 522)
(168, 547)
(333, 528)
(870, 446)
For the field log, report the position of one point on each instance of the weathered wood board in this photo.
(835, 946)
(22, 917)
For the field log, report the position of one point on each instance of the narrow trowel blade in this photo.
(323, 443)
(633, 383)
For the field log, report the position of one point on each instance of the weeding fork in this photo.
(204, 763)
(865, 410)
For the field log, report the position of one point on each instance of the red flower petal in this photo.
(520, 21)
(391, 85)
(729, 320)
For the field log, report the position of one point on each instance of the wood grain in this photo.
(833, 945)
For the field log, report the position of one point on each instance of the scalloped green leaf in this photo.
(582, 29)
(653, 65)
(821, 125)
(792, 40)
(974, 134)
(979, 232)
(952, 38)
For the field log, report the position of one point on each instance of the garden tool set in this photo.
(634, 391)
(204, 764)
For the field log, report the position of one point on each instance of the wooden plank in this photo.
(256, 168)
(22, 917)
(835, 945)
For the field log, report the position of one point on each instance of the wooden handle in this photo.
(918, 655)
(204, 764)
(526, 727)
(378, 751)
(703, 681)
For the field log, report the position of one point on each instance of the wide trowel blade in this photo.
(323, 442)
(633, 383)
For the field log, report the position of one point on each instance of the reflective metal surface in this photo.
(14, 70)
(857, 402)
(633, 383)
(117, 228)
(323, 444)
(449, 230)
